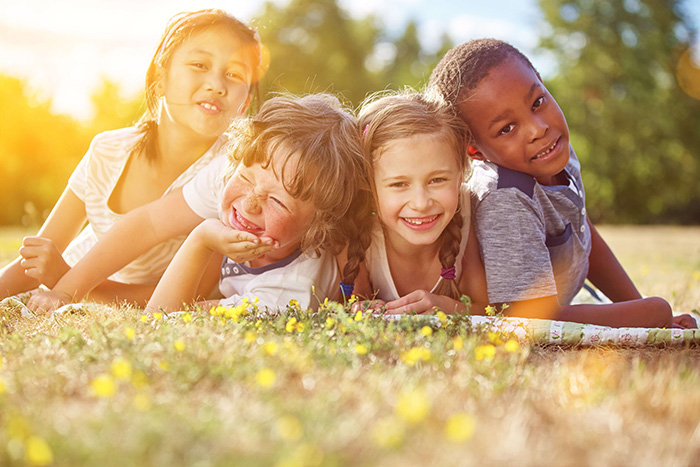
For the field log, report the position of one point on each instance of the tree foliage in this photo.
(315, 45)
(634, 129)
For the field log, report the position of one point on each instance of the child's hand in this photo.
(47, 302)
(421, 301)
(684, 321)
(368, 306)
(235, 244)
(42, 261)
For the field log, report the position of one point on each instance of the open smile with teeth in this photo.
(209, 106)
(245, 223)
(546, 151)
(420, 221)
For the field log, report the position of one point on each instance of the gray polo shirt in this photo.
(534, 238)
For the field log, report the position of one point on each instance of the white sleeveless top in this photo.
(93, 181)
(378, 264)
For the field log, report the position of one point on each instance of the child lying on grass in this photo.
(275, 209)
(537, 243)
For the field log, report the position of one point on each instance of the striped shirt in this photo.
(93, 181)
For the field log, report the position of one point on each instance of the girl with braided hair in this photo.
(413, 248)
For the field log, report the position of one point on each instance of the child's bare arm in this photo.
(133, 235)
(33, 266)
(645, 312)
(182, 280)
(606, 272)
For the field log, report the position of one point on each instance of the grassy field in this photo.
(117, 388)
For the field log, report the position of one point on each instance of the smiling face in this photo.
(516, 123)
(205, 83)
(417, 181)
(256, 201)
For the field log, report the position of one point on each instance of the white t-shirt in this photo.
(378, 264)
(295, 277)
(93, 181)
(275, 284)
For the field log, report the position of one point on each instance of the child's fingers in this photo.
(408, 299)
(240, 236)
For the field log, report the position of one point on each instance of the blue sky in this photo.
(64, 48)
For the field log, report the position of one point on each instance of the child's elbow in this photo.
(659, 312)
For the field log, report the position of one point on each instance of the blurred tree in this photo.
(634, 129)
(39, 151)
(316, 46)
(112, 110)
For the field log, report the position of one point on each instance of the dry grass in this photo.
(106, 388)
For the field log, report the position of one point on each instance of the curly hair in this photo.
(463, 67)
(319, 137)
(386, 117)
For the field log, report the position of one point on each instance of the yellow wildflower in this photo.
(130, 333)
(388, 432)
(490, 310)
(358, 315)
(37, 451)
(270, 348)
(157, 316)
(144, 318)
(484, 352)
(353, 299)
(330, 322)
(142, 402)
(441, 316)
(250, 337)
(121, 368)
(179, 345)
(512, 346)
(266, 377)
(458, 343)
(495, 338)
(360, 349)
(289, 428)
(294, 304)
(427, 331)
(460, 427)
(139, 379)
(291, 324)
(163, 365)
(413, 406)
(415, 355)
(187, 317)
(299, 327)
(103, 386)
